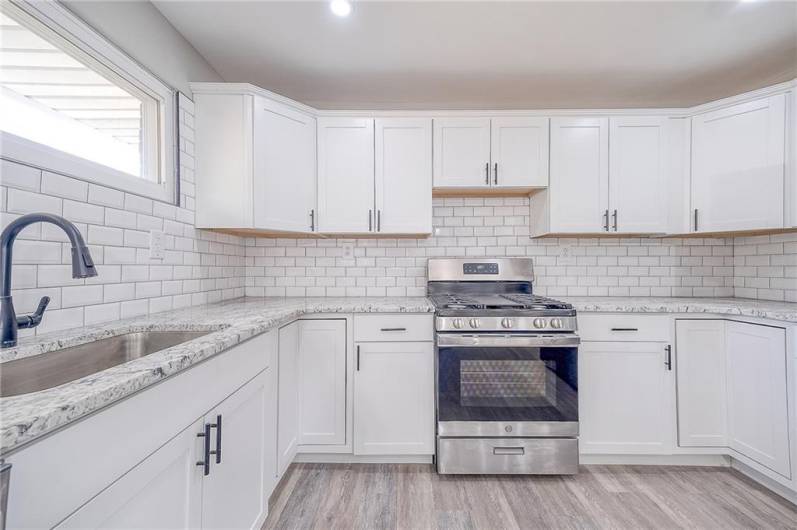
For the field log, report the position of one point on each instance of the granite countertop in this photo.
(26, 417)
(781, 311)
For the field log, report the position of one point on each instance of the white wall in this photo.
(139, 29)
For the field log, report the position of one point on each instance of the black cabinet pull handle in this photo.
(695, 219)
(205, 462)
(606, 220)
(217, 426)
(379, 220)
(358, 357)
(625, 329)
(614, 217)
(312, 220)
(370, 220)
(487, 173)
(393, 329)
(495, 174)
(668, 361)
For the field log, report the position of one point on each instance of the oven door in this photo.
(519, 385)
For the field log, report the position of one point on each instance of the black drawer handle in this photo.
(516, 451)
(625, 329)
(393, 329)
(217, 426)
(205, 463)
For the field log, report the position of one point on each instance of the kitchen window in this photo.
(72, 103)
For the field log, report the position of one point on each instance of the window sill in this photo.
(24, 151)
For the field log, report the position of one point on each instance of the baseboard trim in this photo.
(657, 460)
(331, 458)
(770, 484)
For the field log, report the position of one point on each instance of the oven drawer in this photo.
(623, 327)
(507, 456)
(393, 327)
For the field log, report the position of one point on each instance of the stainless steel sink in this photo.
(47, 370)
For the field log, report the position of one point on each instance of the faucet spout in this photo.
(82, 267)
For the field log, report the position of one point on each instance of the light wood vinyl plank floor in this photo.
(414, 497)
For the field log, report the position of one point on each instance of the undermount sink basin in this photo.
(47, 370)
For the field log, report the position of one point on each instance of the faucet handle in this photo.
(31, 321)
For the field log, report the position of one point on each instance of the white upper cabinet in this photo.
(738, 165)
(607, 176)
(509, 152)
(461, 152)
(403, 175)
(519, 148)
(255, 163)
(284, 167)
(346, 175)
(637, 180)
(578, 191)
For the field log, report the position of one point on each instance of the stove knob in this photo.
(556, 323)
(506, 323)
(474, 323)
(458, 323)
(539, 323)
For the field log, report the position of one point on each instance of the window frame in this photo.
(98, 53)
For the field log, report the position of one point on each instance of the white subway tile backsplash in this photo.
(66, 187)
(22, 202)
(18, 176)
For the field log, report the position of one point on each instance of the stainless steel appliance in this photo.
(506, 370)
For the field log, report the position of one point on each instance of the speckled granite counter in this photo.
(28, 416)
(781, 311)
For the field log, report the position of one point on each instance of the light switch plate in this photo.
(348, 248)
(157, 244)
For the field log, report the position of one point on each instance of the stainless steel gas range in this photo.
(506, 370)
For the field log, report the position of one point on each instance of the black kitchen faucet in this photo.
(82, 267)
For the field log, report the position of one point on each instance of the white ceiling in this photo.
(436, 55)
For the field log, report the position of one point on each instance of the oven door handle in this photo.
(485, 340)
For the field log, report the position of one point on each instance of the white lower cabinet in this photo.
(163, 491)
(394, 398)
(242, 470)
(170, 489)
(322, 382)
(288, 407)
(702, 412)
(625, 398)
(733, 390)
(757, 394)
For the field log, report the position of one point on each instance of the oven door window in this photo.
(507, 384)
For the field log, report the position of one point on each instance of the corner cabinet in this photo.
(608, 176)
(255, 164)
(491, 153)
(374, 176)
(738, 167)
(733, 381)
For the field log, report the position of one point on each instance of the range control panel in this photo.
(480, 268)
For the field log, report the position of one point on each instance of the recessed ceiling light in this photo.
(341, 8)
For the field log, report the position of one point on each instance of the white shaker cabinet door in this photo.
(758, 424)
(163, 491)
(322, 382)
(346, 175)
(625, 398)
(637, 180)
(702, 411)
(579, 184)
(519, 148)
(738, 165)
(403, 179)
(461, 152)
(288, 414)
(236, 491)
(284, 185)
(394, 398)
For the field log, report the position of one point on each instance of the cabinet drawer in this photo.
(393, 327)
(623, 327)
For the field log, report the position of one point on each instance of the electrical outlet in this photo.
(157, 244)
(566, 256)
(348, 249)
